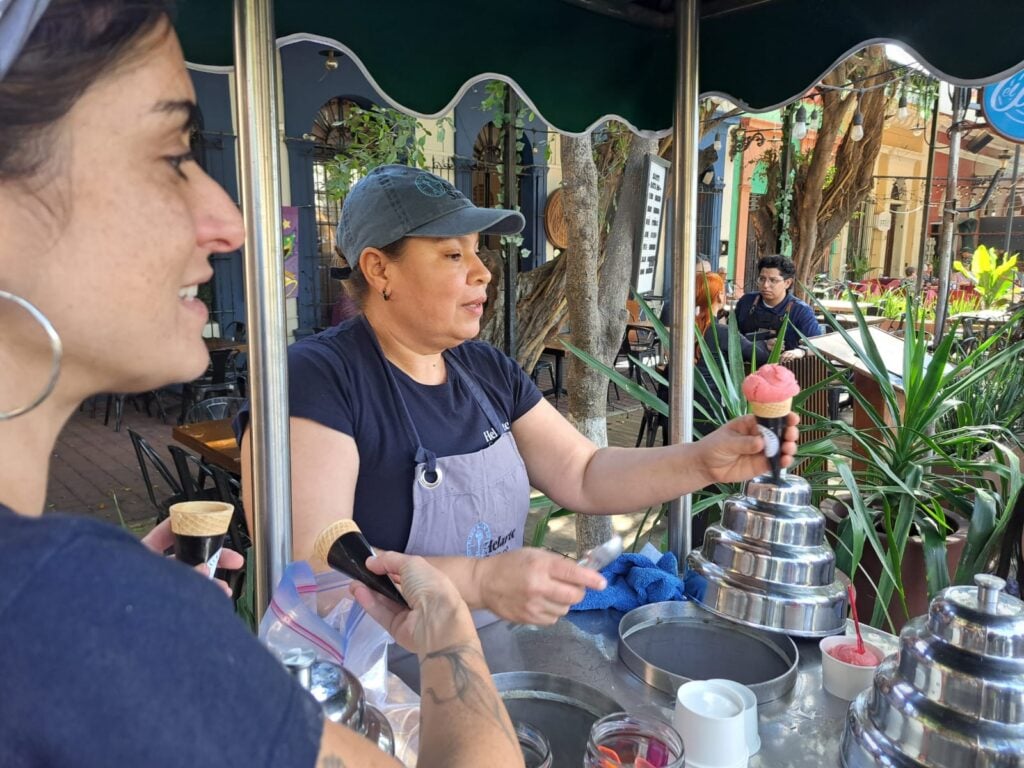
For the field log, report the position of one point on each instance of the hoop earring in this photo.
(56, 349)
(385, 295)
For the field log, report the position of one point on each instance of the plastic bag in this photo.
(316, 612)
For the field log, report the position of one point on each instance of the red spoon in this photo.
(856, 622)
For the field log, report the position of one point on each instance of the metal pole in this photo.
(511, 201)
(1013, 199)
(256, 96)
(949, 211)
(929, 176)
(684, 249)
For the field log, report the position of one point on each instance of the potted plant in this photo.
(991, 274)
(711, 408)
(916, 478)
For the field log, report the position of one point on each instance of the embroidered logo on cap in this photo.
(431, 186)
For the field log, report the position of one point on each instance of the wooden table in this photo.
(213, 345)
(214, 441)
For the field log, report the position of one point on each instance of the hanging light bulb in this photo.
(857, 131)
(901, 110)
(800, 123)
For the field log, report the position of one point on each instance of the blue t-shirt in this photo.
(337, 379)
(752, 314)
(113, 656)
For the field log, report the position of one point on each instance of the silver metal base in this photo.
(668, 644)
(799, 611)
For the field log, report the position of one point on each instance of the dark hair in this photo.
(73, 44)
(910, 271)
(358, 287)
(786, 267)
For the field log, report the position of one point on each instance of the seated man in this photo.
(760, 315)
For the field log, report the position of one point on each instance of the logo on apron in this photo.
(478, 539)
(481, 543)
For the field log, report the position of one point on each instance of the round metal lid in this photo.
(980, 619)
(791, 491)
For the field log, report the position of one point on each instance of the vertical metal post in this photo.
(929, 176)
(782, 244)
(684, 249)
(949, 211)
(1012, 207)
(256, 96)
(511, 201)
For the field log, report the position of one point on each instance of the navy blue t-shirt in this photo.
(336, 378)
(113, 656)
(752, 314)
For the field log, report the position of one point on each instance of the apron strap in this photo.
(478, 394)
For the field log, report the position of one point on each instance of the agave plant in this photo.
(714, 408)
(991, 274)
(918, 464)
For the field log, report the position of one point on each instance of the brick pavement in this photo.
(92, 464)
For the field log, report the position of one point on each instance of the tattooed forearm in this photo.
(330, 761)
(470, 687)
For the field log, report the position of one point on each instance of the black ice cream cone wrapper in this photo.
(344, 548)
(771, 420)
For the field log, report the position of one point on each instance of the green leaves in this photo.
(920, 460)
(373, 137)
(991, 274)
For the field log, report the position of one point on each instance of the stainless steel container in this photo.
(953, 694)
(341, 695)
(767, 563)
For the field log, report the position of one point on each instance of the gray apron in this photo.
(472, 504)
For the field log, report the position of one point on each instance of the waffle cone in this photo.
(772, 410)
(331, 534)
(201, 518)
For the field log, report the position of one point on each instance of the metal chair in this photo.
(652, 420)
(147, 458)
(193, 474)
(220, 379)
(214, 408)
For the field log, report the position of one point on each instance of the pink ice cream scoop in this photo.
(849, 654)
(770, 390)
(770, 384)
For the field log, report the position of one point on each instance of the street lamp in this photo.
(857, 131)
(800, 123)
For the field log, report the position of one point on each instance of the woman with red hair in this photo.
(711, 301)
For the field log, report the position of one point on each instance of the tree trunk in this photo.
(597, 307)
(821, 209)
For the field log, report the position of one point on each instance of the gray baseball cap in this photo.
(396, 201)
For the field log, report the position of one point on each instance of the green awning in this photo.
(577, 66)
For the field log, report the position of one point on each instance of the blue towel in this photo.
(635, 580)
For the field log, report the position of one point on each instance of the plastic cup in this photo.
(749, 712)
(710, 718)
(199, 528)
(840, 678)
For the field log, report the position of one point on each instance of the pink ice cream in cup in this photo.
(770, 391)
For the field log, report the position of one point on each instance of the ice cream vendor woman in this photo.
(431, 440)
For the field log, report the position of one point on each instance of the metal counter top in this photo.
(801, 729)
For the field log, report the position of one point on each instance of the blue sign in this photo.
(1003, 104)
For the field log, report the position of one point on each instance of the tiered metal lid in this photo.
(953, 695)
(767, 563)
